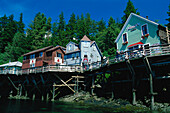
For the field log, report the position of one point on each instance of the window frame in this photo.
(25, 58)
(40, 54)
(57, 54)
(124, 42)
(146, 29)
(77, 55)
(73, 55)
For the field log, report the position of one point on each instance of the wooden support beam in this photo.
(92, 87)
(42, 79)
(112, 84)
(78, 76)
(53, 92)
(148, 67)
(77, 83)
(64, 83)
(132, 71)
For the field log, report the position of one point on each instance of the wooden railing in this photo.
(151, 51)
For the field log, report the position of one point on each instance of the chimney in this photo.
(146, 17)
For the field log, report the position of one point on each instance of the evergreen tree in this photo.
(3, 38)
(37, 30)
(81, 31)
(101, 25)
(112, 32)
(7, 31)
(168, 25)
(17, 48)
(21, 24)
(129, 9)
(88, 25)
(71, 27)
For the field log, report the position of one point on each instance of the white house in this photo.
(85, 51)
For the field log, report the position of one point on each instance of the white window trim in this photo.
(126, 37)
(146, 27)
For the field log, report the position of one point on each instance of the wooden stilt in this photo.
(112, 85)
(53, 92)
(133, 81)
(77, 84)
(42, 98)
(47, 97)
(26, 94)
(148, 67)
(92, 87)
(33, 97)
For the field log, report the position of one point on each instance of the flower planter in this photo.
(125, 43)
(146, 35)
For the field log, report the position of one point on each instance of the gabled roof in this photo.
(38, 50)
(127, 21)
(54, 48)
(73, 51)
(85, 38)
(93, 42)
(17, 63)
(72, 43)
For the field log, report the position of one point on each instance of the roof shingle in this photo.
(85, 38)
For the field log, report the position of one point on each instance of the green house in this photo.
(140, 32)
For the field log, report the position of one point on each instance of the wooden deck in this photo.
(152, 51)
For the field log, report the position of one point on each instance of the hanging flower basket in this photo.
(146, 35)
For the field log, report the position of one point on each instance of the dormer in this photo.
(71, 46)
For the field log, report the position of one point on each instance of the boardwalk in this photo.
(152, 51)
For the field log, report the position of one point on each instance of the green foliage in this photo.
(129, 9)
(168, 25)
(37, 30)
(20, 59)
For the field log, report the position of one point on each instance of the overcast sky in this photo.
(98, 9)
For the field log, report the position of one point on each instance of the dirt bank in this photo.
(116, 104)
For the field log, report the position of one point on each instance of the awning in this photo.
(138, 43)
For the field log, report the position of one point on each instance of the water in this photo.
(29, 106)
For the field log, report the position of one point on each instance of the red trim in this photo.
(138, 43)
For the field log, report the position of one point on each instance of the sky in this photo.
(98, 9)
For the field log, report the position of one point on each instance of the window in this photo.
(65, 56)
(49, 54)
(25, 57)
(32, 56)
(73, 55)
(40, 54)
(77, 55)
(59, 55)
(144, 30)
(124, 36)
(70, 47)
(136, 47)
(131, 48)
(32, 65)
